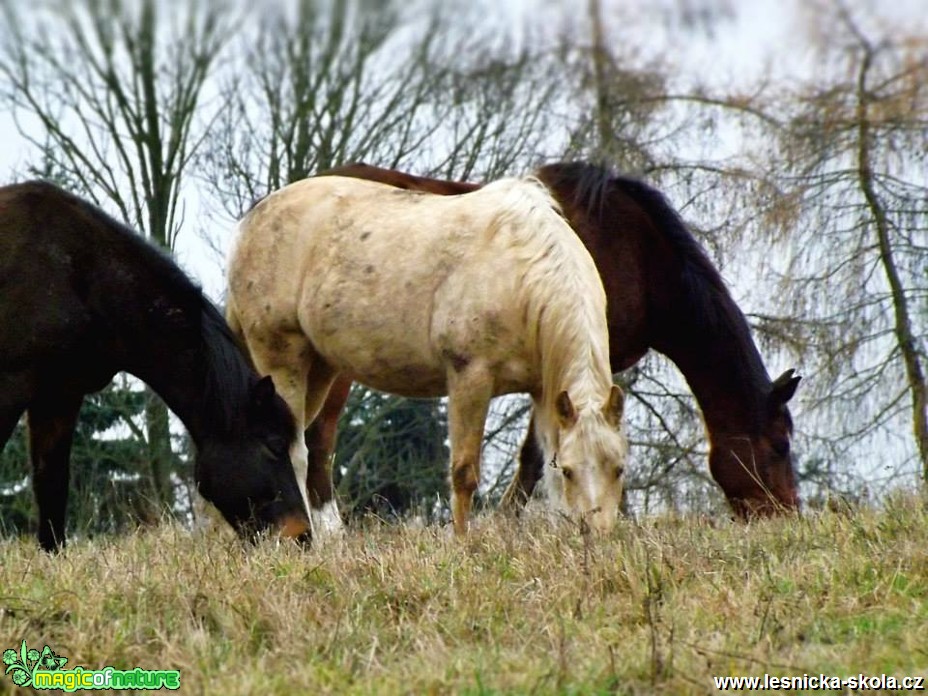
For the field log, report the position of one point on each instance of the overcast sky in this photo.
(756, 38)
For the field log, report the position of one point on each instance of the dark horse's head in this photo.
(243, 434)
(249, 476)
(755, 468)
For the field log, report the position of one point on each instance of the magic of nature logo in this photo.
(46, 670)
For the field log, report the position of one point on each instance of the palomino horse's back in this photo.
(374, 275)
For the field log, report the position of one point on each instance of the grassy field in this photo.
(661, 606)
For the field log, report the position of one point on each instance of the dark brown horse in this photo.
(663, 293)
(83, 297)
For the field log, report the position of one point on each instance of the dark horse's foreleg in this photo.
(528, 472)
(320, 441)
(51, 431)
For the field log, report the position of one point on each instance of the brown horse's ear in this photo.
(784, 387)
(614, 406)
(566, 412)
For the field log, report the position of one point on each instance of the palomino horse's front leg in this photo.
(469, 394)
(320, 441)
(323, 510)
(529, 471)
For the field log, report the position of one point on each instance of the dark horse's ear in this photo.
(784, 387)
(615, 406)
(262, 394)
(566, 413)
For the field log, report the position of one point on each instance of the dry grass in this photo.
(520, 607)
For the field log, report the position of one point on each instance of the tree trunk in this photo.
(905, 338)
(160, 454)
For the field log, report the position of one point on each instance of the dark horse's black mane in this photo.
(709, 306)
(227, 373)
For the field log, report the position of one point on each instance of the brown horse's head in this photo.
(756, 471)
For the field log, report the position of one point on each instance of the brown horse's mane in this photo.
(708, 307)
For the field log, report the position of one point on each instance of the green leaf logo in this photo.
(24, 664)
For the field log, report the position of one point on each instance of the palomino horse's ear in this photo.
(262, 393)
(566, 412)
(614, 406)
(784, 387)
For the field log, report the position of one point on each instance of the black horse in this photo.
(82, 297)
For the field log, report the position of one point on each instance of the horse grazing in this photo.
(423, 296)
(663, 293)
(84, 297)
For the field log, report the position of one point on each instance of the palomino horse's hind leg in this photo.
(469, 394)
(51, 431)
(529, 471)
(320, 441)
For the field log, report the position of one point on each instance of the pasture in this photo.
(520, 606)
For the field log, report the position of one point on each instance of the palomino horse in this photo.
(421, 296)
(665, 294)
(83, 298)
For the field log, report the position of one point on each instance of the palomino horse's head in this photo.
(756, 470)
(249, 478)
(585, 476)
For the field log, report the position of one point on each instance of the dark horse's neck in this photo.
(159, 327)
(199, 373)
(697, 324)
(728, 380)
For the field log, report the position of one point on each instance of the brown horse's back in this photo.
(410, 182)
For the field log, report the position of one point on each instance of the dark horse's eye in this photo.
(780, 447)
(277, 446)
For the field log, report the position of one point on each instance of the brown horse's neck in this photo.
(723, 369)
(180, 345)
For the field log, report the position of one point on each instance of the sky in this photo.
(755, 38)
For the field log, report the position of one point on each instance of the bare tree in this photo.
(330, 83)
(110, 94)
(852, 201)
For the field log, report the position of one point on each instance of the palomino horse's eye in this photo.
(568, 473)
(618, 472)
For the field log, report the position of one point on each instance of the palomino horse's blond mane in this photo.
(558, 284)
